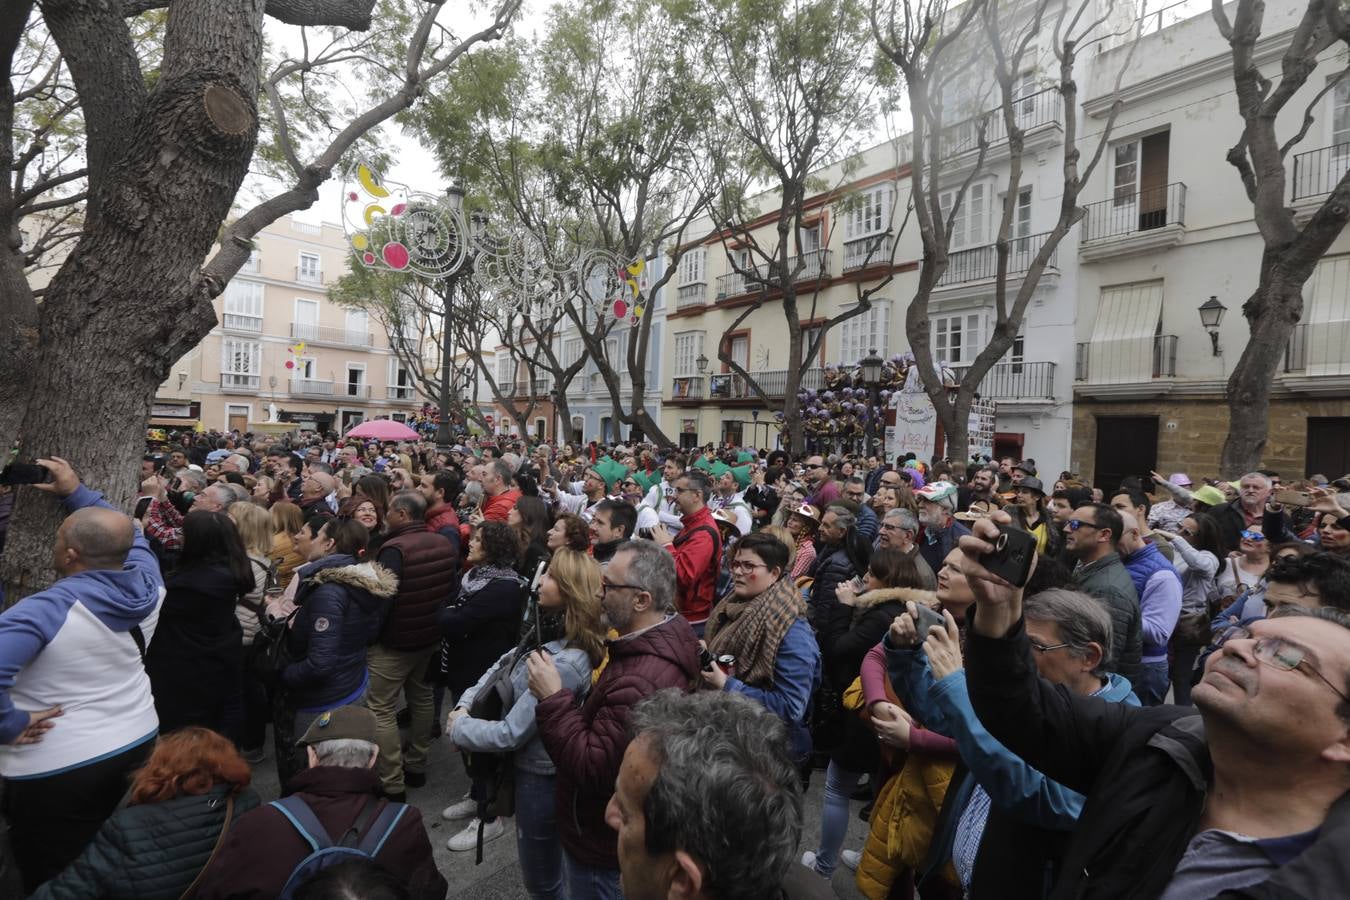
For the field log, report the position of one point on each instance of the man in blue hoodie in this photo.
(1003, 823)
(1159, 589)
(76, 712)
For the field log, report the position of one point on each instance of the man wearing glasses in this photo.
(1250, 797)
(1090, 538)
(655, 649)
(823, 489)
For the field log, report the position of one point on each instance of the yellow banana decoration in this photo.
(367, 179)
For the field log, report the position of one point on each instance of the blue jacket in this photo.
(796, 675)
(1018, 792)
(1159, 589)
(342, 609)
(868, 526)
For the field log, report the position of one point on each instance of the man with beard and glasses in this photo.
(655, 649)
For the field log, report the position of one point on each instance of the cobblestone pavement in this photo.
(499, 874)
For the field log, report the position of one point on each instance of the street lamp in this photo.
(1211, 314)
(702, 363)
(871, 374)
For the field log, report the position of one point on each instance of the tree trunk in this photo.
(562, 412)
(130, 298)
(1272, 312)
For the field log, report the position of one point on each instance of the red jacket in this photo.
(499, 507)
(698, 553)
(587, 742)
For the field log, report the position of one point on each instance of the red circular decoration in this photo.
(396, 255)
(351, 195)
(290, 364)
(398, 209)
(620, 309)
(368, 259)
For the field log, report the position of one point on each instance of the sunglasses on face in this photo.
(1253, 536)
(1075, 524)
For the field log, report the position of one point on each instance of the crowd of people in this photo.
(642, 655)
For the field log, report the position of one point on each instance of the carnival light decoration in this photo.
(394, 228)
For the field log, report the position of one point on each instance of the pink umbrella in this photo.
(384, 430)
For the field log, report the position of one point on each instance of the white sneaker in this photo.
(809, 860)
(460, 809)
(468, 838)
(850, 858)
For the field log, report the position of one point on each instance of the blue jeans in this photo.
(541, 865)
(839, 784)
(587, 883)
(1153, 683)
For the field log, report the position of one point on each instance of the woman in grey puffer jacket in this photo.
(571, 632)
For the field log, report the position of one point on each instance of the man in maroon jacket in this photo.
(697, 549)
(427, 565)
(655, 649)
(262, 848)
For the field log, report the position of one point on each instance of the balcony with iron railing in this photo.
(693, 294)
(1142, 221)
(355, 391)
(239, 383)
(239, 322)
(810, 266)
(1032, 112)
(308, 276)
(323, 334)
(687, 387)
(410, 343)
(1317, 172)
(981, 263)
(1127, 361)
(1014, 381)
(1318, 348)
(402, 393)
(865, 252)
(311, 387)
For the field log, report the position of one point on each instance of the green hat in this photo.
(612, 472)
(648, 480)
(1207, 494)
(746, 456)
(702, 463)
(717, 468)
(343, 723)
(742, 476)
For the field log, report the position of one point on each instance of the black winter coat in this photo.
(149, 851)
(833, 566)
(195, 657)
(479, 627)
(1145, 772)
(342, 609)
(843, 652)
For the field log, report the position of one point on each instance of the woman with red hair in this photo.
(182, 802)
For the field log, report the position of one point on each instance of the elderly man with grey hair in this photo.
(898, 530)
(337, 799)
(655, 649)
(676, 842)
(164, 521)
(1248, 509)
(1006, 820)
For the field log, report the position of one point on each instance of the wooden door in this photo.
(1328, 451)
(1126, 445)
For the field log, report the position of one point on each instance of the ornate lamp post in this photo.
(1211, 314)
(871, 374)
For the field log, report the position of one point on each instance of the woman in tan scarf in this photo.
(762, 624)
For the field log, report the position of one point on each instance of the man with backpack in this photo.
(697, 549)
(336, 813)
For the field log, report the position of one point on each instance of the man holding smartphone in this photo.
(76, 711)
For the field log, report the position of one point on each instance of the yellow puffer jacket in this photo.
(903, 819)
